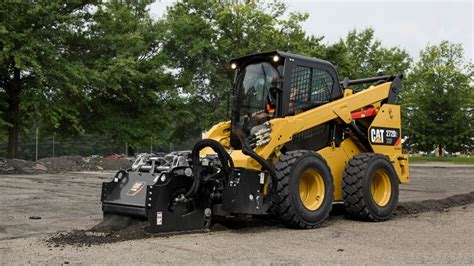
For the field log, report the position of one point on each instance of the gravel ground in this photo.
(65, 202)
(432, 238)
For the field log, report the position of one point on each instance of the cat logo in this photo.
(136, 188)
(376, 135)
(384, 136)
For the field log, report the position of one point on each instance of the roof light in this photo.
(233, 66)
(276, 58)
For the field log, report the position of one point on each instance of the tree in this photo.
(36, 61)
(107, 67)
(438, 100)
(361, 55)
(201, 38)
(84, 67)
(132, 92)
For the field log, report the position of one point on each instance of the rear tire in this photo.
(370, 187)
(305, 189)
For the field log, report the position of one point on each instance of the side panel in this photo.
(337, 158)
(246, 194)
(243, 161)
(168, 215)
(385, 137)
(126, 193)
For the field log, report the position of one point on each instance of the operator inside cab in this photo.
(256, 100)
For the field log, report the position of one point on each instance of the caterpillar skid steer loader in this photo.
(297, 142)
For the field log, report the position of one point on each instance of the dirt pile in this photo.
(410, 208)
(62, 164)
(88, 238)
(136, 230)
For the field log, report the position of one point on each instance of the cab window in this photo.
(310, 87)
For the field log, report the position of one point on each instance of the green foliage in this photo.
(108, 68)
(438, 100)
(131, 89)
(38, 63)
(361, 55)
(83, 66)
(203, 36)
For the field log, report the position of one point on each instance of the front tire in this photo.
(370, 187)
(305, 189)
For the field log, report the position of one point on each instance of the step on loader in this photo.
(298, 141)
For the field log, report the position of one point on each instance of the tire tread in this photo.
(282, 206)
(352, 187)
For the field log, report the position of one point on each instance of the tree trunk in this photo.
(13, 114)
(131, 151)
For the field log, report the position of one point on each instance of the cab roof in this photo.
(244, 60)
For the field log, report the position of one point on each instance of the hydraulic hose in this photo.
(264, 163)
(360, 136)
(247, 150)
(222, 154)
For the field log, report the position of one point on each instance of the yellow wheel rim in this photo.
(381, 188)
(311, 189)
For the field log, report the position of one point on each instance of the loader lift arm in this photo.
(339, 109)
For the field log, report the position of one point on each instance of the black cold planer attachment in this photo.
(181, 191)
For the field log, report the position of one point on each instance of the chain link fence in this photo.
(32, 148)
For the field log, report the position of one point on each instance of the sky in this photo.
(410, 25)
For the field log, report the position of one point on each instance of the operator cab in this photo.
(278, 84)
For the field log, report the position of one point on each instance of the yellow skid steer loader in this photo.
(298, 141)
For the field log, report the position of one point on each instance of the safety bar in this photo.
(346, 83)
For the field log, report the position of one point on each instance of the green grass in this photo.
(456, 160)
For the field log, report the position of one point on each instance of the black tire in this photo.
(359, 199)
(287, 203)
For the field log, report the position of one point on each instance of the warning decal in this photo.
(136, 188)
(159, 218)
(384, 136)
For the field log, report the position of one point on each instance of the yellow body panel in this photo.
(243, 161)
(337, 158)
(389, 117)
(219, 132)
